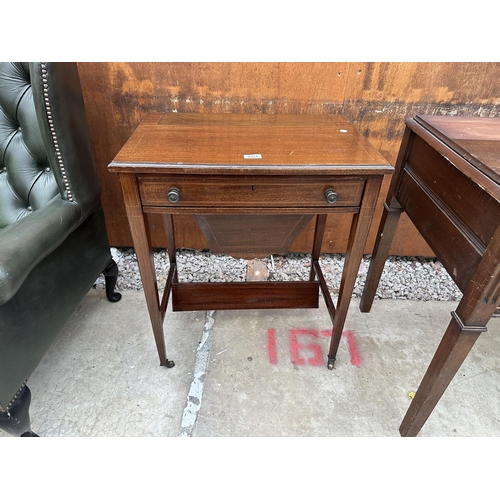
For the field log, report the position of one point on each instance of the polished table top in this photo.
(181, 142)
(476, 139)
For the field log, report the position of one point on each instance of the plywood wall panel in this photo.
(377, 97)
(380, 96)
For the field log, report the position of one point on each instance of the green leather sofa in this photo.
(53, 241)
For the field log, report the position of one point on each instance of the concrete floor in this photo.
(102, 376)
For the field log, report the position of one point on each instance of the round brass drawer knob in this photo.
(331, 196)
(173, 195)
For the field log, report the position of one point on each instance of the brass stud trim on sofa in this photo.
(13, 400)
(55, 142)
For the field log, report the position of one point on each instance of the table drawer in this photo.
(191, 191)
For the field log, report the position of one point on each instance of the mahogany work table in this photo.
(252, 183)
(447, 180)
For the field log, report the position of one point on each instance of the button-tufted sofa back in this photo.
(45, 148)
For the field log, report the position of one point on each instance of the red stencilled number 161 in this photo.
(298, 350)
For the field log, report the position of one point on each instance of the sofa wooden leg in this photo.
(110, 276)
(16, 418)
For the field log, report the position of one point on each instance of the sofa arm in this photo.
(26, 242)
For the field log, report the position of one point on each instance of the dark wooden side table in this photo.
(447, 180)
(252, 183)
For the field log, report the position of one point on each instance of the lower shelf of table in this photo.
(245, 295)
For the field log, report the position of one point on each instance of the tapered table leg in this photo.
(354, 254)
(387, 228)
(142, 244)
(480, 299)
(451, 352)
(319, 231)
(385, 235)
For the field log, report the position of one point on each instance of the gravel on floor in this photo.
(406, 278)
